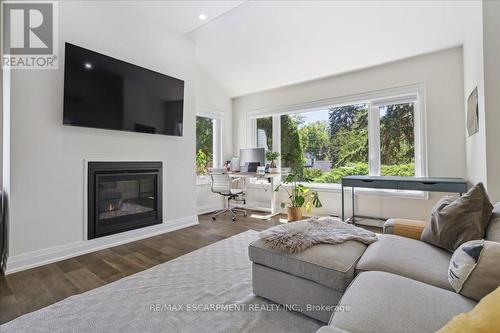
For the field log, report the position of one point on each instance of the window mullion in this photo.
(277, 138)
(252, 132)
(373, 140)
(217, 142)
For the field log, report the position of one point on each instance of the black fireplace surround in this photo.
(123, 196)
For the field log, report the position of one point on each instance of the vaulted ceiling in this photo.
(180, 15)
(258, 45)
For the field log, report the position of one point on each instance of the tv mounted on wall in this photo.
(104, 92)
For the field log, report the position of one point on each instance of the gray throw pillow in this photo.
(456, 221)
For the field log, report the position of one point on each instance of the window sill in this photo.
(337, 188)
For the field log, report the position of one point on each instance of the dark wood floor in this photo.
(36, 288)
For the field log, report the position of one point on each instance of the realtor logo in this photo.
(29, 34)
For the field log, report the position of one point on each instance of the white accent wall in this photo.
(482, 70)
(491, 39)
(46, 213)
(474, 77)
(441, 73)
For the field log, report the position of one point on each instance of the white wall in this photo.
(474, 77)
(213, 97)
(491, 39)
(47, 158)
(481, 69)
(442, 74)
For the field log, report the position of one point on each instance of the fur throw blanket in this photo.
(297, 236)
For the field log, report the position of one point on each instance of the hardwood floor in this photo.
(36, 288)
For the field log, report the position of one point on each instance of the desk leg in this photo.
(343, 217)
(274, 209)
(352, 219)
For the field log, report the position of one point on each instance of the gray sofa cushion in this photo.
(307, 297)
(329, 265)
(493, 229)
(384, 302)
(408, 257)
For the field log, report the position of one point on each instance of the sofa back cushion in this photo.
(493, 230)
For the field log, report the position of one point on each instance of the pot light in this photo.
(202, 17)
(88, 65)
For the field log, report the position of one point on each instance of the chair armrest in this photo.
(406, 228)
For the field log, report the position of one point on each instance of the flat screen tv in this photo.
(104, 92)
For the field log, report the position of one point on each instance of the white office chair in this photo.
(222, 185)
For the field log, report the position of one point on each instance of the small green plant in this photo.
(202, 161)
(272, 156)
(299, 195)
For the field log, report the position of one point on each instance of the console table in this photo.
(428, 184)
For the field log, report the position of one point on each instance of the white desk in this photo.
(271, 175)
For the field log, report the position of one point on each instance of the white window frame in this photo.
(217, 117)
(374, 99)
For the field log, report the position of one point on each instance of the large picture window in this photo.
(265, 133)
(375, 137)
(208, 142)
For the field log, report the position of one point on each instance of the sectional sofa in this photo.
(397, 284)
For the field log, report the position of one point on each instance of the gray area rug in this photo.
(208, 290)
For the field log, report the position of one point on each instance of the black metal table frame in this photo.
(352, 219)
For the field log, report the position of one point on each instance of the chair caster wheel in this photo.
(245, 214)
(234, 219)
(213, 218)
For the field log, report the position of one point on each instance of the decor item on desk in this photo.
(299, 236)
(472, 113)
(272, 156)
(298, 196)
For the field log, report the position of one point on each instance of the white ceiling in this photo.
(266, 44)
(181, 16)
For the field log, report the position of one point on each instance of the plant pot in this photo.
(273, 170)
(294, 213)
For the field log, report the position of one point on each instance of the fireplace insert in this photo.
(123, 196)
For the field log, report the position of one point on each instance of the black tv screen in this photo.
(104, 92)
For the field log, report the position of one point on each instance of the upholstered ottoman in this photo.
(312, 281)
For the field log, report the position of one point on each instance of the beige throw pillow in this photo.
(474, 268)
(456, 221)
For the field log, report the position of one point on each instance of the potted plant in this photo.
(298, 196)
(272, 156)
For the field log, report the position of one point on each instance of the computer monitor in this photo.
(250, 156)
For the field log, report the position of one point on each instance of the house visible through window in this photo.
(208, 143)
(265, 133)
(376, 137)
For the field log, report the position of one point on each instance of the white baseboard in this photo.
(204, 209)
(370, 223)
(46, 256)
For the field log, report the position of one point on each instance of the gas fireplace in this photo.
(123, 196)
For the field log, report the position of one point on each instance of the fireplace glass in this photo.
(126, 197)
(123, 196)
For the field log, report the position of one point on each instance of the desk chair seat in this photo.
(222, 185)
